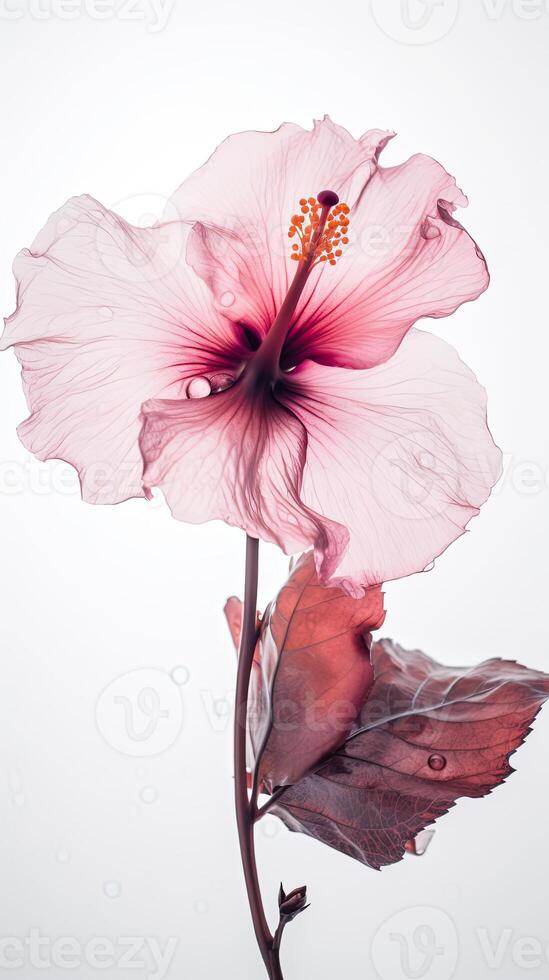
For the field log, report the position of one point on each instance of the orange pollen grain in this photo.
(305, 225)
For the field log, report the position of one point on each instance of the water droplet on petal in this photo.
(105, 313)
(221, 381)
(437, 762)
(429, 230)
(199, 388)
(227, 299)
(112, 889)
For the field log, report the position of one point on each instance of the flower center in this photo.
(321, 230)
(324, 247)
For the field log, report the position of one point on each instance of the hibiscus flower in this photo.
(252, 353)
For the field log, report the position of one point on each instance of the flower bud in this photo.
(292, 904)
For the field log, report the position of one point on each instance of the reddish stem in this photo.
(246, 808)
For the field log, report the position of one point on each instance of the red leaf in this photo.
(427, 734)
(233, 615)
(311, 674)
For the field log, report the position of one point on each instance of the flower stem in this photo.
(245, 808)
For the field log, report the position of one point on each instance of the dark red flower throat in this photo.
(320, 231)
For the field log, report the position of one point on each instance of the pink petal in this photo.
(232, 267)
(107, 316)
(407, 258)
(246, 194)
(233, 458)
(400, 455)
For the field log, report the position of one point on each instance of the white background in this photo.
(95, 842)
